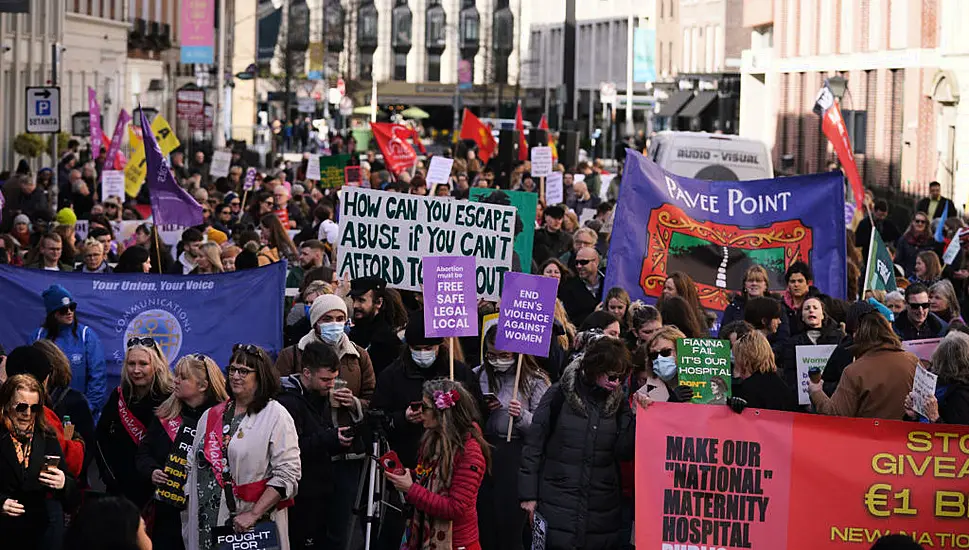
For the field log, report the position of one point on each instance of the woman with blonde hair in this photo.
(198, 385)
(658, 378)
(209, 259)
(146, 382)
(93, 259)
(755, 378)
(568, 336)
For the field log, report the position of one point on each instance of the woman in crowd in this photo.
(661, 377)
(943, 301)
(93, 260)
(78, 342)
(680, 284)
(229, 257)
(602, 321)
(617, 302)
(819, 329)
(561, 318)
(895, 301)
(146, 382)
(755, 378)
(453, 460)
(585, 414)
(799, 279)
(646, 320)
(950, 404)
(275, 237)
(928, 268)
(198, 384)
(108, 523)
(298, 318)
(755, 286)
(876, 383)
(135, 259)
(247, 447)
(157, 250)
(676, 311)
(262, 203)
(501, 519)
(555, 269)
(26, 481)
(209, 259)
(918, 238)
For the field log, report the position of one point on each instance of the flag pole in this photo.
(868, 266)
(154, 229)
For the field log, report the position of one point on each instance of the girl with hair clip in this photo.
(146, 382)
(502, 520)
(453, 459)
(197, 386)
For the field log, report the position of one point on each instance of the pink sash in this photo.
(171, 426)
(212, 446)
(134, 427)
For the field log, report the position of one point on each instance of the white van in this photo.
(718, 157)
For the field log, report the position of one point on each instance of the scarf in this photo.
(424, 532)
(134, 427)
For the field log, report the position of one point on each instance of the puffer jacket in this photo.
(89, 371)
(831, 334)
(572, 468)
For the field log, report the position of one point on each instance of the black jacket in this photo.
(738, 307)
(766, 391)
(379, 339)
(70, 402)
(886, 228)
(153, 452)
(933, 327)
(841, 357)
(402, 383)
(572, 468)
(923, 206)
(906, 252)
(954, 405)
(578, 301)
(549, 244)
(318, 439)
(116, 449)
(27, 530)
(831, 333)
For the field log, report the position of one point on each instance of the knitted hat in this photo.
(56, 297)
(855, 313)
(216, 236)
(414, 334)
(324, 304)
(21, 218)
(66, 216)
(298, 189)
(29, 360)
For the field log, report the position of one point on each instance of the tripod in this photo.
(375, 490)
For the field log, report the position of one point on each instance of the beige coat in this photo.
(874, 386)
(355, 365)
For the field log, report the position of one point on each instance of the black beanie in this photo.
(29, 360)
(414, 335)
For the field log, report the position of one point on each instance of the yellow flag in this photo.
(137, 168)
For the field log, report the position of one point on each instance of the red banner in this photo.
(392, 139)
(833, 126)
(472, 128)
(707, 477)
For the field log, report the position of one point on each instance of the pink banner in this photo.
(94, 117)
(114, 150)
(198, 31)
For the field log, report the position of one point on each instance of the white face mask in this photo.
(502, 365)
(424, 358)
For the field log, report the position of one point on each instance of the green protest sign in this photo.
(331, 170)
(704, 365)
(880, 270)
(526, 204)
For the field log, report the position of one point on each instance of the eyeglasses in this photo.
(613, 377)
(241, 372)
(653, 355)
(269, 202)
(70, 308)
(492, 357)
(110, 205)
(581, 263)
(924, 305)
(146, 341)
(24, 407)
(920, 222)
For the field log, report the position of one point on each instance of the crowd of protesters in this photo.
(285, 440)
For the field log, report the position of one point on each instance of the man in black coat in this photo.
(550, 240)
(886, 228)
(371, 329)
(935, 204)
(305, 395)
(580, 295)
(918, 323)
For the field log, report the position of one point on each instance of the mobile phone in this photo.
(391, 463)
(416, 405)
(51, 461)
(349, 432)
(814, 374)
(490, 396)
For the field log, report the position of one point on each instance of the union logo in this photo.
(160, 325)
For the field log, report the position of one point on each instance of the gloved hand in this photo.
(738, 404)
(684, 394)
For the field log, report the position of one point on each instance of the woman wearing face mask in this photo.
(819, 328)
(585, 414)
(500, 518)
(662, 382)
(146, 382)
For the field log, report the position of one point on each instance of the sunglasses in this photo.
(67, 309)
(920, 222)
(235, 203)
(425, 407)
(613, 377)
(246, 348)
(23, 407)
(919, 306)
(581, 263)
(269, 203)
(146, 341)
(653, 355)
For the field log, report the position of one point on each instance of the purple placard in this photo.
(250, 183)
(526, 316)
(450, 300)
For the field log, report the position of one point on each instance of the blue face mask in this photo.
(331, 332)
(664, 367)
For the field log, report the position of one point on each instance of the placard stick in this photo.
(541, 188)
(244, 195)
(154, 230)
(514, 395)
(450, 343)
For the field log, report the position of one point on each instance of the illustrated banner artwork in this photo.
(183, 313)
(387, 234)
(716, 230)
(704, 365)
(708, 477)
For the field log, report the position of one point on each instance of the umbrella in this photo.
(415, 113)
(365, 110)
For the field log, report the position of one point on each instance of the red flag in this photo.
(833, 125)
(522, 142)
(472, 128)
(418, 142)
(543, 125)
(392, 139)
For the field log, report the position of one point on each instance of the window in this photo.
(367, 26)
(366, 65)
(436, 26)
(469, 27)
(334, 25)
(504, 31)
(401, 23)
(434, 67)
(400, 66)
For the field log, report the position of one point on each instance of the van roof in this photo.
(708, 135)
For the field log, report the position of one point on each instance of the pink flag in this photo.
(114, 148)
(94, 116)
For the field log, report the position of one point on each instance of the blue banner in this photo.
(185, 314)
(644, 55)
(715, 230)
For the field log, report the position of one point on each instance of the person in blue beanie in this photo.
(81, 345)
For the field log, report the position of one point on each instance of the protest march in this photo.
(400, 349)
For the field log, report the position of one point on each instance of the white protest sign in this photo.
(554, 191)
(587, 215)
(807, 358)
(221, 161)
(440, 170)
(923, 388)
(541, 161)
(604, 181)
(578, 178)
(313, 167)
(386, 234)
(112, 184)
(952, 250)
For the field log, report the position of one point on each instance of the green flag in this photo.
(880, 271)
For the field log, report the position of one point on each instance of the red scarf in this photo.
(132, 425)
(171, 426)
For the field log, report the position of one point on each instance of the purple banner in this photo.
(94, 116)
(250, 183)
(123, 119)
(170, 204)
(450, 300)
(526, 315)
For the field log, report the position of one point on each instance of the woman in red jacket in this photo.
(452, 462)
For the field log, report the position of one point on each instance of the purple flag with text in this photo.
(170, 204)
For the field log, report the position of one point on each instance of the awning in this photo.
(698, 105)
(675, 103)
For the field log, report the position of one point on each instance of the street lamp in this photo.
(838, 86)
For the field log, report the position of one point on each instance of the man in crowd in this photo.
(584, 199)
(935, 204)
(580, 295)
(93, 256)
(49, 254)
(178, 166)
(191, 245)
(312, 254)
(103, 236)
(584, 237)
(550, 240)
(306, 395)
(371, 327)
(886, 228)
(918, 322)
